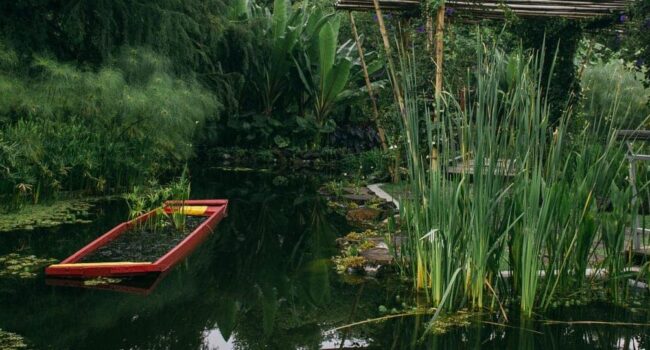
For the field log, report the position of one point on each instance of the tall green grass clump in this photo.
(510, 211)
(65, 128)
(153, 196)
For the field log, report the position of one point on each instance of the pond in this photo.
(263, 280)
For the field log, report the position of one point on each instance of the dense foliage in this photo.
(99, 96)
(67, 128)
(608, 84)
(518, 186)
(523, 214)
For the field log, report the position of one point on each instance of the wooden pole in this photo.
(440, 29)
(428, 27)
(397, 92)
(375, 110)
(439, 60)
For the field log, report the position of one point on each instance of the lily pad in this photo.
(22, 266)
(47, 215)
(101, 281)
(11, 341)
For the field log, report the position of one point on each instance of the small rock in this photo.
(379, 256)
(371, 270)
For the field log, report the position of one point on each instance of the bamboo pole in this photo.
(397, 92)
(366, 76)
(440, 28)
(391, 66)
(439, 60)
(428, 27)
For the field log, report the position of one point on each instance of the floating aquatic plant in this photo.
(47, 215)
(22, 266)
(343, 263)
(11, 341)
(101, 281)
(443, 324)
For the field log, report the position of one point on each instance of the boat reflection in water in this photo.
(138, 285)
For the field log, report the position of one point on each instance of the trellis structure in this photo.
(629, 136)
(573, 9)
(497, 9)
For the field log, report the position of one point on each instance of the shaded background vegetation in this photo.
(102, 95)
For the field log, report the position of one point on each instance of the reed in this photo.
(141, 200)
(514, 201)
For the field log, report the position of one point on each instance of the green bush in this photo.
(66, 128)
(613, 90)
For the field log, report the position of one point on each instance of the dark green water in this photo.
(262, 281)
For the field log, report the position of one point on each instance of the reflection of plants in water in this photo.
(263, 278)
(521, 333)
(276, 243)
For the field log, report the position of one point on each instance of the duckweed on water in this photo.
(22, 266)
(11, 341)
(73, 211)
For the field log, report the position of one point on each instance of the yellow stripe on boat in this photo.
(99, 264)
(196, 210)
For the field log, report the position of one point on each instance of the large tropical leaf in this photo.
(336, 80)
(280, 14)
(326, 49)
(240, 9)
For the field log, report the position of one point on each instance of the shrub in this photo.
(614, 94)
(67, 128)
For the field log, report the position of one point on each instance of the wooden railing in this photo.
(497, 9)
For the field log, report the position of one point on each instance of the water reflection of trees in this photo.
(263, 278)
(410, 333)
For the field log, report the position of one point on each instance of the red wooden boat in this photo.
(213, 209)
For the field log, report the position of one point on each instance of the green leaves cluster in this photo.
(299, 74)
(518, 220)
(67, 128)
(614, 93)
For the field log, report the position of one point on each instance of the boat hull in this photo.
(214, 209)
